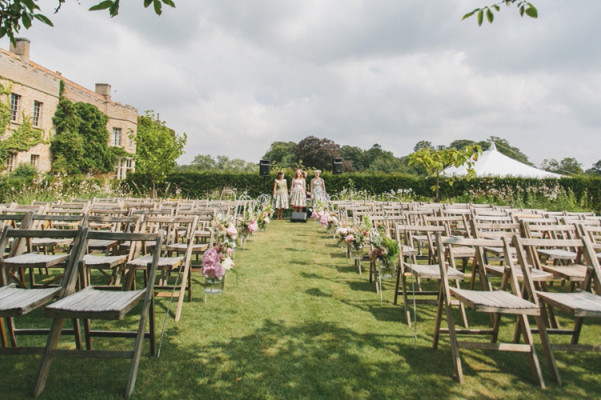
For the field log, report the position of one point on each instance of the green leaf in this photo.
(521, 11)
(26, 20)
(158, 7)
(469, 14)
(147, 3)
(114, 10)
(30, 5)
(169, 3)
(489, 16)
(43, 19)
(531, 11)
(480, 17)
(497, 7)
(103, 5)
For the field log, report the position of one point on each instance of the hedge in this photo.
(192, 184)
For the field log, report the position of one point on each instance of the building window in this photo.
(35, 160)
(15, 102)
(128, 164)
(116, 140)
(11, 162)
(37, 113)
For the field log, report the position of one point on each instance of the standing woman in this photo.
(318, 188)
(280, 194)
(298, 192)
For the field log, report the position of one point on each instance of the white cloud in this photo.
(236, 76)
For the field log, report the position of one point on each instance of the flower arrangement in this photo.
(383, 248)
(355, 236)
(225, 231)
(248, 224)
(264, 215)
(216, 262)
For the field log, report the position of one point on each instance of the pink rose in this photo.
(349, 238)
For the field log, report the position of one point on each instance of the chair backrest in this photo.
(494, 230)
(76, 252)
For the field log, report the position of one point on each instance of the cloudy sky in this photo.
(239, 75)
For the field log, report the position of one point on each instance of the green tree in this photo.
(595, 169)
(204, 162)
(15, 14)
(281, 153)
(435, 162)
(157, 148)
(567, 166)
(316, 153)
(422, 144)
(355, 157)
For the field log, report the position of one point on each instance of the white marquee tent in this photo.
(494, 163)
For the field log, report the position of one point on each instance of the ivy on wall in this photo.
(21, 139)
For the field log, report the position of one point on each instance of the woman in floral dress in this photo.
(298, 192)
(280, 194)
(318, 188)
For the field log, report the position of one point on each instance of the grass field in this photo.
(298, 322)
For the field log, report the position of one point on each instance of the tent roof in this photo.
(493, 163)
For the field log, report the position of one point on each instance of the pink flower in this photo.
(349, 238)
(211, 263)
(232, 231)
(266, 220)
(253, 226)
(314, 215)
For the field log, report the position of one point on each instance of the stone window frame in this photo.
(15, 105)
(34, 161)
(36, 116)
(116, 137)
(11, 162)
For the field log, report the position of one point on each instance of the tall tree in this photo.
(567, 166)
(157, 148)
(435, 162)
(595, 169)
(15, 14)
(316, 153)
(281, 153)
(355, 157)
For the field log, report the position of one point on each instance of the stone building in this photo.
(34, 92)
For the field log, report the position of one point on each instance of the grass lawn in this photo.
(299, 322)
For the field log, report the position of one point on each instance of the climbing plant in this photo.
(21, 139)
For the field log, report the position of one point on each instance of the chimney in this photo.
(21, 48)
(104, 89)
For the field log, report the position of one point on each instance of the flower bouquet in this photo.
(384, 252)
(248, 226)
(225, 231)
(215, 263)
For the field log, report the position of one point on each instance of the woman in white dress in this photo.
(298, 192)
(318, 188)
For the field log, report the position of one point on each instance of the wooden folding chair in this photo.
(17, 301)
(581, 304)
(409, 266)
(493, 302)
(91, 303)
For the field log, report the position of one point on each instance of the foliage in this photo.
(17, 14)
(281, 153)
(157, 148)
(22, 139)
(567, 166)
(595, 170)
(523, 7)
(80, 144)
(435, 162)
(222, 163)
(316, 153)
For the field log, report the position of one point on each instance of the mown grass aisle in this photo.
(299, 322)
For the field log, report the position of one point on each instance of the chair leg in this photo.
(182, 291)
(3, 336)
(532, 357)
(547, 350)
(396, 286)
(453, 339)
(577, 329)
(406, 299)
(44, 369)
(147, 310)
(77, 334)
(11, 332)
(439, 307)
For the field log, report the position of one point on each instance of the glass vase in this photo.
(386, 269)
(214, 285)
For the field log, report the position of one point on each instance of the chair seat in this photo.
(408, 250)
(35, 260)
(558, 254)
(432, 271)
(499, 250)
(463, 251)
(105, 262)
(98, 244)
(574, 272)
(164, 262)
(96, 304)
(535, 274)
(17, 301)
(497, 301)
(581, 304)
(182, 247)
